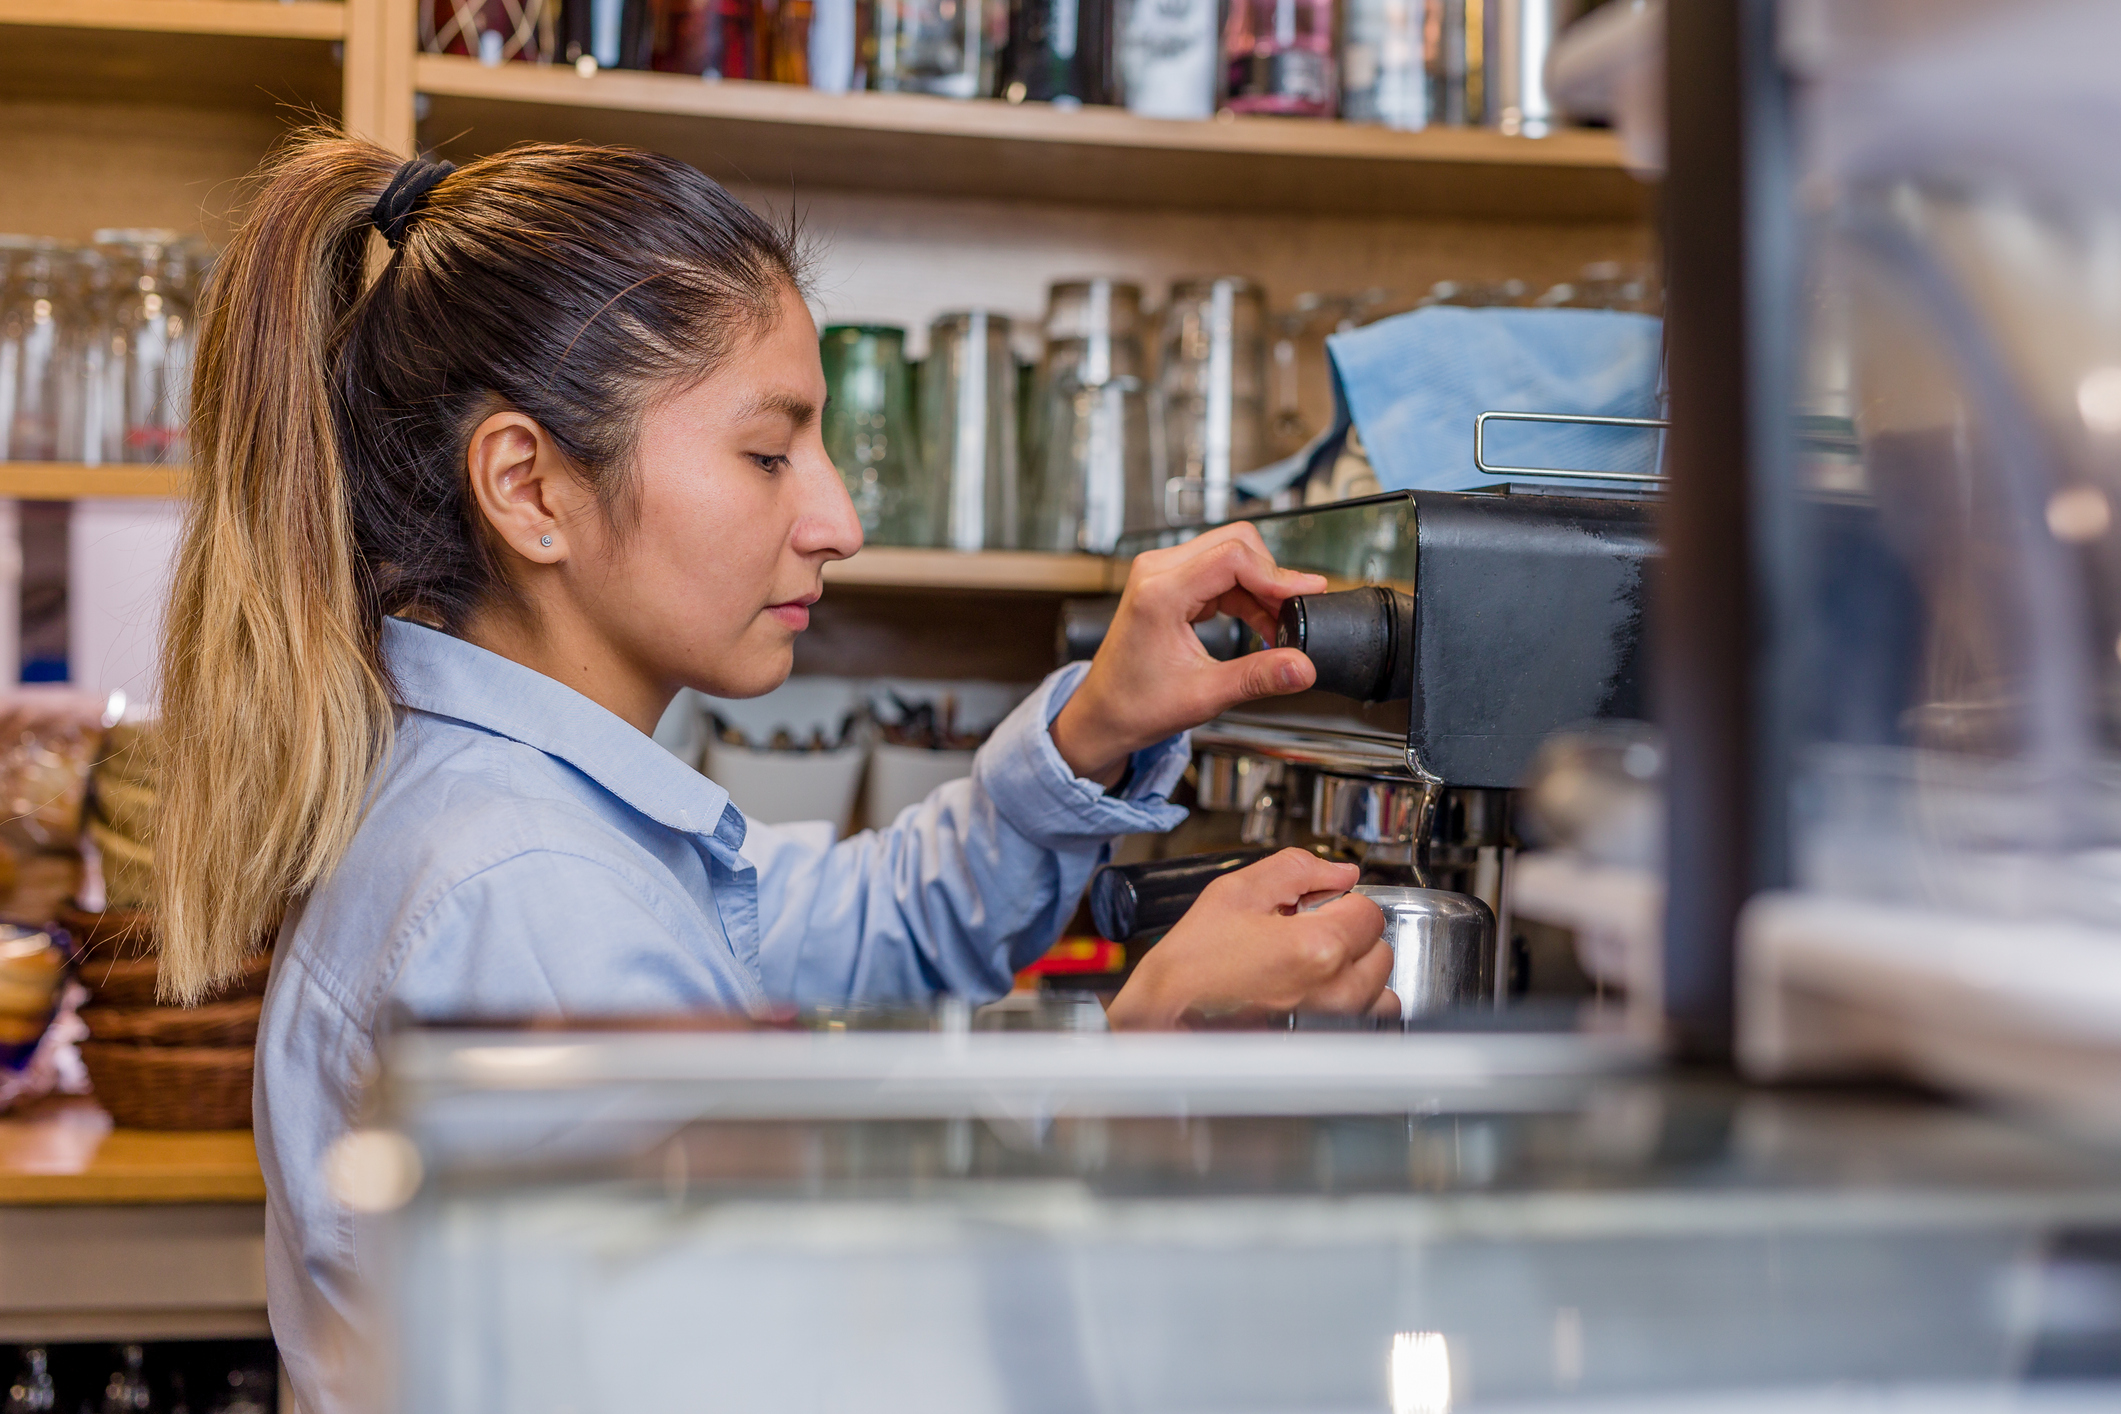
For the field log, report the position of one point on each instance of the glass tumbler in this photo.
(968, 431)
(1208, 420)
(1093, 470)
(148, 334)
(42, 333)
(870, 433)
(1384, 62)
(951, 48)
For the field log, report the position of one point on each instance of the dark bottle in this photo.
(617, 34)
(1060, 51)
(710, 38)
(781, 40)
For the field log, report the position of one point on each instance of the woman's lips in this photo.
(793, 615)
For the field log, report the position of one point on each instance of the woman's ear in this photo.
(524, 487)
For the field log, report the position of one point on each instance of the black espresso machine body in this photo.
(1490, 621)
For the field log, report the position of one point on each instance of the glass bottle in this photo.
(1060, 51)
(968, 432)
(1384, 62)
(781, 40)
(1167, 57)
(32, 1391)
(1093, 469)
(951, 48)
(1278, 58)
(836, 64)
(1209, 418)
(870, 433)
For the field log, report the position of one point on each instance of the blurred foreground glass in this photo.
(951, 48)
(1385, 52)
(1278, 58)
(1209, 414)
(968, 432)
(1093, 472)
(870, 432)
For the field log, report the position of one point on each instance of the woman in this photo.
(460, 534)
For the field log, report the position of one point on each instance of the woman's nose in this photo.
(828, 524)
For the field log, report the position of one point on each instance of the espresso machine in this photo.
(1459, 631)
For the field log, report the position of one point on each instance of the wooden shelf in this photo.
(1024, 571)
(70, 481)
(254, 54)
(776, 134)
(260, 19)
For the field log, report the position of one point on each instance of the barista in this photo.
(460, 534)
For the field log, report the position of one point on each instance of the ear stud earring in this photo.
(546, 541)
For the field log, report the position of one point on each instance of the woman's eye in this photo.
(770, 461)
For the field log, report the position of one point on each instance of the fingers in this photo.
(1230, 561)
(1356, 988)
(1272, 672)
(1281, 880)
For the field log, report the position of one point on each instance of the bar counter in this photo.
(127, 1234)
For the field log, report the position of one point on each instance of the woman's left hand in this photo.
(1151, 678)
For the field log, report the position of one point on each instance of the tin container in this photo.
(1443, 948)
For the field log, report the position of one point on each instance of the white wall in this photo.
(120, 555)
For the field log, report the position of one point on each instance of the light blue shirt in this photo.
(527, 853)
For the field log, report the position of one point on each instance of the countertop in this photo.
(65, 1151)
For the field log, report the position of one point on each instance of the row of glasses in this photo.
(96, 346)
(972, 451)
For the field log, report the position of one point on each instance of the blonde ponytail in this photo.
(571, 283)
(274, 707)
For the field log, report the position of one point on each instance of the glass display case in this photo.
(1298, 1221)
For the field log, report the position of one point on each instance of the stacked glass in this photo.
(1091, 420)
(968, 432)
(870, 433)
(1209, 409)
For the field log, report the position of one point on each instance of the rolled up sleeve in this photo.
(962, 889)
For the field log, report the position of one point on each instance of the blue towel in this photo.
(1415, 381)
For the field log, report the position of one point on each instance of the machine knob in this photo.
(1360, 640)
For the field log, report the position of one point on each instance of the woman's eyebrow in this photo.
(793, 406)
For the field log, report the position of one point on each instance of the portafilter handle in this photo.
(1360, 640)
(1129, 900)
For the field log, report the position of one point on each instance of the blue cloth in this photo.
(526, 852)
(1414, 383)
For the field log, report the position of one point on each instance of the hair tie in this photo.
(405, 197)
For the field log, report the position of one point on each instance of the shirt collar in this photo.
(441, 674)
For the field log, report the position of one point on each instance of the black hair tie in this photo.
(405, 197)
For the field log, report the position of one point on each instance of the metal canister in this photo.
(1443, 948)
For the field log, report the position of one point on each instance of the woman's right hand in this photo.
(1244, 951)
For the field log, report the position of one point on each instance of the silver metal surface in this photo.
(1480, 450)
(1443, 948)
(1230, 781)
(1371, 811)
(1354, 752)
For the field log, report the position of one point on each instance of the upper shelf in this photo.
(238, 53)
(778, 134)
(258, 19)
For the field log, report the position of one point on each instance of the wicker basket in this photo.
(131, 983)
(171, 1087)
(121, 933)
(215, 1024)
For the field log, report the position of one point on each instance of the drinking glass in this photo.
(968, 431)
(1209, 415)
(41, 334)
(870, 432)
(1167, 57)
(951, 48)
(1093, 471)
(1278, 58)
(148, 334)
